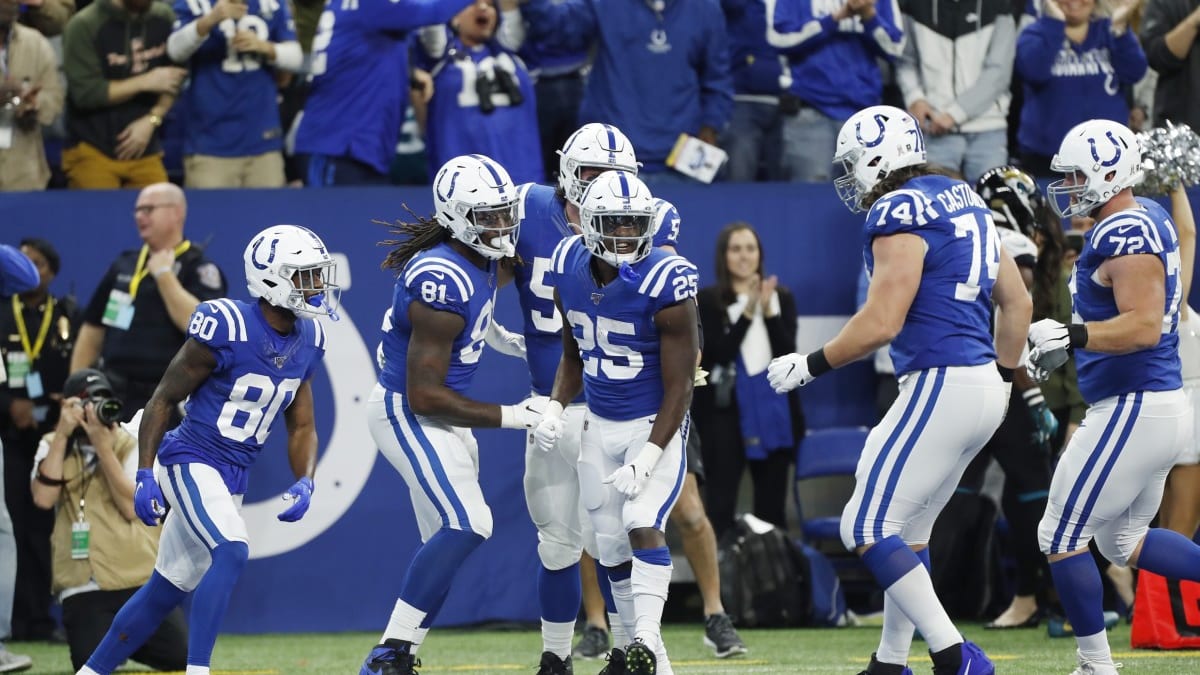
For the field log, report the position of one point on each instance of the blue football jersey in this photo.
(229, 106)
(229, 416)
(458, 126)
(445, 280)
(360, 76)
(1148, 230)
(614, 325)
(543, 226)
(948, 323)
(666, 224)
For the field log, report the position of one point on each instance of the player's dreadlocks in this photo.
(422, 234)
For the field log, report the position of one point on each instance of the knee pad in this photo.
(556, 555)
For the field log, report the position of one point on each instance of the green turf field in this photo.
(835, 651)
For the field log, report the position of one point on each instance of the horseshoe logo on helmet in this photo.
(270, 255)
(879, 121)
(1116, 150)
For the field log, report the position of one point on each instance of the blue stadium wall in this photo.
(341, 567)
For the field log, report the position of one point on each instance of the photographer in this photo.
(482, 100)
(102, 553)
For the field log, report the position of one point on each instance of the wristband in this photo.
(1078, 334)
(1006, 374)
(1033, 396)
(818, 364)
(159, 272)
(508, 417)
(46, 480)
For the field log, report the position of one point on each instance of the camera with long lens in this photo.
(108, 408)
(92, 386)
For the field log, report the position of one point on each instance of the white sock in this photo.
(623, 598)
(1094, 647)
(196, 670)
(896, 640)
(418, 637)
(616, 628)
(404, 624)
(914, 595)
(650, 584)
(556, 638)
(86, 671)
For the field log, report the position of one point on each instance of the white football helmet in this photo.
(874, 142)
(1100, 158)
(477, 201)
(616, 201)
(595, 145)
(289, 267)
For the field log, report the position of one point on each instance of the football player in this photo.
(242, 364)
(630, 341)
(936, 269)
(1125, 293)
(433, 335)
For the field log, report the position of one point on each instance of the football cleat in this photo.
(616, 663)
(552, 665)
(1087, 667)
(964, 658)
(391, 658)
(640, 659)
(592, 644)
(722, 637)
(877, 667)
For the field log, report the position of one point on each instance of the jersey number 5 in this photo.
(253, 404)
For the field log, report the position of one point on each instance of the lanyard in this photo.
(47, 314)
(140, 271)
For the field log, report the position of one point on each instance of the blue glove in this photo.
(301, 492)
(1045, 424)
(148, 500)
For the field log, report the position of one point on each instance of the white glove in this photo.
(789, 371)
(523, 415)
(630, 479)
(505, 341)
(1048, 342)
(700, 377)
(550, 427)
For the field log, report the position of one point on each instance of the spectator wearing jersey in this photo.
(136, 319)
(483, 97)
(351, 121)
(1169, 30)
(230, 113)
(954, 75)
(661, 68)
(120, 85)
(833, 53)
(1075, 66)
(28, 74)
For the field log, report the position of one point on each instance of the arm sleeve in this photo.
(792, 28)
(17, 272)
(781, 329)
(884, 32)
(86, 84)
(564, 24)
(908, 68)
(1160, 18)
(1037, 47)
(716, 83)
(996, 76)
(1128, 59)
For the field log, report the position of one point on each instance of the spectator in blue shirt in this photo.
(233, 136)
(833, 51)
(754, 138)
(351, 121)
(661, 68)
(483, 98)
(1075, 66)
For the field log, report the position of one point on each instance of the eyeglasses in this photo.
(147, 209)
